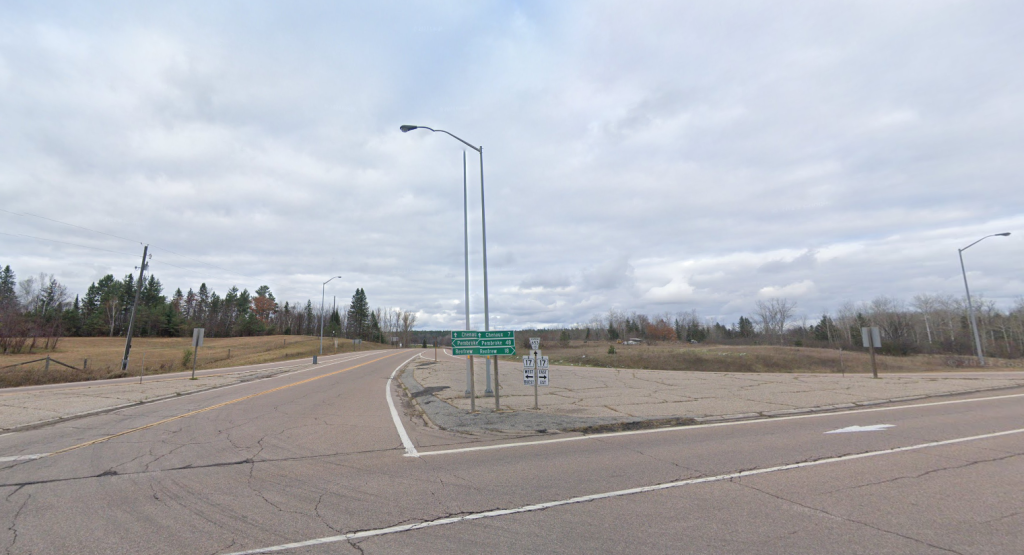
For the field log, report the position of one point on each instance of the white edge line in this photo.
(410, 449)
(711, 425)
(24, 457)
(610, 494)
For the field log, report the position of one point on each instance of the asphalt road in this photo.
(312, 462)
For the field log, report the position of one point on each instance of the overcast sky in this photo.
(651, 156)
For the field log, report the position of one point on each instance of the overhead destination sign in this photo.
(483, 343)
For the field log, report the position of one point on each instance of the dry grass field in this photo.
(755, 358)
(160, 355)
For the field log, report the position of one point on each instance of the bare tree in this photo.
(773, 315)
(407, 321)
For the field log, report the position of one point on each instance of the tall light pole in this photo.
(483, 221)
(322, 300)
(970, 307)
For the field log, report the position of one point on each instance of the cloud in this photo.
(793, 290)
(706, 157)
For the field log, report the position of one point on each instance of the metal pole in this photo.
(536, 380)
(322, 290)
(871, 345)
(472, 386)
(195, 356)
(135, 305)
(483, 224)
(143, 370)
(970, 310)
(465, 229)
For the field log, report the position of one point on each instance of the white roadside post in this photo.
(197, 341)
(872, 339)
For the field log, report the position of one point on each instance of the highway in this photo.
(326, 460)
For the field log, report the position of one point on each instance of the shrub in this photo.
(611, 349)
(186, 358)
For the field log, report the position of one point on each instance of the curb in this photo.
(716, 418)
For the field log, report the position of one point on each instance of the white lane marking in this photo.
(712, 425)
(23, 457)
(855, 429)
(610, 494)
(410, 449)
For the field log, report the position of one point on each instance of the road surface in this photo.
(315, 462)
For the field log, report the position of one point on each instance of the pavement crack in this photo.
(843, 518)
(929, 472)
(13, 528)
(316, 510)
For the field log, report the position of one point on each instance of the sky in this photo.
(653, 156)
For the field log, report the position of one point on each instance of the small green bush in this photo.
(186, 358)
(611, 349)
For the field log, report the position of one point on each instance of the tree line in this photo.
(934, 324)
(38, 311)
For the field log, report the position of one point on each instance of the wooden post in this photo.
(47, 368)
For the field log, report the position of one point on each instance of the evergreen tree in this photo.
(359, 317)
(613, 334)
(8, 293)
(746, 327)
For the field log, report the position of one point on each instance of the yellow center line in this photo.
(217, 406)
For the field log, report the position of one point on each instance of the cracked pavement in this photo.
(318, 456)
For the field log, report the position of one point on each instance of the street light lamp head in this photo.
(1003, 234)
(408, 128)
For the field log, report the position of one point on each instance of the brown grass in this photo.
(162, 355)
(757, 358)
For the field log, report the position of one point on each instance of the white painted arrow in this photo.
(850, 429)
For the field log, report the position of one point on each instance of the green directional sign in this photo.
(483, 351)
(468, 334)
(483, 343)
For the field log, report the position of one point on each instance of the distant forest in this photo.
(36, 312)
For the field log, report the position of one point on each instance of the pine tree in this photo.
(8, 293)
(613, 334)
(359, 317)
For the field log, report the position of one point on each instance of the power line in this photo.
(93, 248)
(26, 214)
(72, 225)
(63, 242)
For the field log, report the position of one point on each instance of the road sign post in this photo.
(197, 341)
(872, 338)
(486, 344)
(535, 370)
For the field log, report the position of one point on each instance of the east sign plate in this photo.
(483, 343)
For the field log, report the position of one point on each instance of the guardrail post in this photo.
(47, 368)
(85, 364)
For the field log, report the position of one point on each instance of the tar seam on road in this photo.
(701, 426)
(607, 495)
(410, 449)
(187, 414)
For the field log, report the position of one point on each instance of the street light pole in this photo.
(970, 306)
(470, 390)
(323, 290)
(487, 317)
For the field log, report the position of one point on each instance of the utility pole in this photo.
(135, 305)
